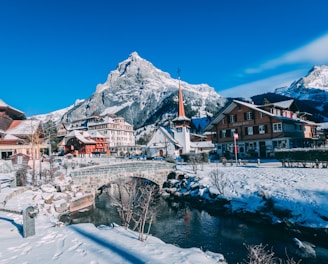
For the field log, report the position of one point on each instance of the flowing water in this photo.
(180, 224)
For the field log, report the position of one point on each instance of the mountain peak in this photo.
(144, 94)
(133, 69)
(313, 86)
(316, 78)
(134, 55)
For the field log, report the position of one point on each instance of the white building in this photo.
(162, 144)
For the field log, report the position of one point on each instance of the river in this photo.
(180, 224)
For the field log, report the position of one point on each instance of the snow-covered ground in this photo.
(303, 191)
(84, 243)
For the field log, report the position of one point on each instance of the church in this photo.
(176, 141)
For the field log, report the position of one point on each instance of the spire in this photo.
(181, 111)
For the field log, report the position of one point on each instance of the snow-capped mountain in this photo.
(143, 94)
(56, 116)
(313, 87)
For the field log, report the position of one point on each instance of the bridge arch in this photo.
(92, 178)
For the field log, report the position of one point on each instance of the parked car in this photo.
(138, 157)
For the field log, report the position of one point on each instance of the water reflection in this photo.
(182, 225)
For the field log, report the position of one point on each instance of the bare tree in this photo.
(52, 168)
(145, 211)
(136, 204)
(219, 180)
(125, 200)
(258, 254)
(195, 160)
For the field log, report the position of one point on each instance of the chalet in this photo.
(257, 130)
(84, 143)
(19, 135)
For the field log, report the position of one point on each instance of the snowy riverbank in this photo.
(85, 243)
(299, 193)
(294, 195)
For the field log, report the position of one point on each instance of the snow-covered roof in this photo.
(95, 134)
(181, 118)
(4, 105)
(23, 127)
(83, 136)
(167, 135)
(283, 104)
(10, 137)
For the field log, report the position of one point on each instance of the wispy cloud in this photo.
(315, 52)
(262, 86)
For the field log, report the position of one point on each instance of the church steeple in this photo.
(181, 119)
(182, 124)
(181, 111)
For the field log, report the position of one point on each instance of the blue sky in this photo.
(56, 51)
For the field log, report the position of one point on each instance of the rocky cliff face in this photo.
(143, 94)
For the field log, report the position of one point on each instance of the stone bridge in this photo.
(91, 178)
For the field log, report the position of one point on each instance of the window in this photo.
(262, 129)
(261, 114)
(249, 130)
(223, 133)
(248, 116)
(277, 127)
(233, 118)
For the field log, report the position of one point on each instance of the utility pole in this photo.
(49, 144)
(33, 153)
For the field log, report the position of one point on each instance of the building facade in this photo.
(162, 144)
(255, 131)
(117, 133)
(85, 143)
